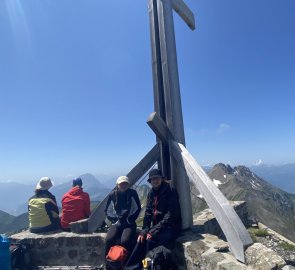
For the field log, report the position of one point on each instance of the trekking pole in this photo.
(132, 254)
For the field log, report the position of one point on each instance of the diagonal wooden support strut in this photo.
(98, 216)
(230, 223)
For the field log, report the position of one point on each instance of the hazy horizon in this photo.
(75, 93)
(103, 177)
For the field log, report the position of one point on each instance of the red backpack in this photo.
(116, 258)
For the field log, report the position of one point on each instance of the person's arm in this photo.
(171, 216)
(134, 208)
(110, 210)
(52, 210)
(148, 216)
(52, 197)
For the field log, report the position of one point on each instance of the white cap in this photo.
(44, 183)
(122, 179)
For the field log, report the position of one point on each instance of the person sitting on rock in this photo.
(75, 205)
(122, 210)
(162, 220)
(43, 210)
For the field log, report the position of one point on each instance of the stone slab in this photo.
(63, 248)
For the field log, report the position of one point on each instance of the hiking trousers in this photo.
(166, 238)
(124, 236)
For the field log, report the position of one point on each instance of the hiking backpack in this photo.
(161, 259)
(20, 257)
(116, 258)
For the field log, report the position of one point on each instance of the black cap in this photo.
(77, 182)
(155, 173)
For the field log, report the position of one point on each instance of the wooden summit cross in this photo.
(170, 153)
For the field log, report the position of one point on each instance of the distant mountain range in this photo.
(281, 176)
(14, 196)
(91, 184)
(10, 224)
(265, 202)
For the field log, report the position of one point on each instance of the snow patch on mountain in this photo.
(217, 182)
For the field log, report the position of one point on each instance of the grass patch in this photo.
(253, 236)
(261, 233)
(254, 233)
(286, 246)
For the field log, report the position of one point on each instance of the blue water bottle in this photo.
(5, 260)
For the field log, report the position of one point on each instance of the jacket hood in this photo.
(75, 191)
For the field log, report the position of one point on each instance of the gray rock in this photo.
(260, 257)
(63, 248)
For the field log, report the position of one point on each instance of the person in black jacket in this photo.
(122, 210)
(162, 220)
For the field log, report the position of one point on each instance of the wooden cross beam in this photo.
(184, 12)
(167, 97)
(160, 153)
(230, 223)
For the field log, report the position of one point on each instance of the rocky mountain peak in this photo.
(226, 169)
(266, 203)
(243, 171)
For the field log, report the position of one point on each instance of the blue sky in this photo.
(76, 84)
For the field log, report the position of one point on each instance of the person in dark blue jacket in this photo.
(122, 210)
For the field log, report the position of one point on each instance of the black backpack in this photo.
(162, 259)
(20, 257)
(113, 265)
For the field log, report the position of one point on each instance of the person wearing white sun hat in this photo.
(122, 210)
(43, 210)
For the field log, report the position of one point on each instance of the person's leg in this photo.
(128, 238)
(111, 238)
(167, 238)
(137, 254)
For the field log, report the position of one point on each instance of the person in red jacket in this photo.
(75, 205)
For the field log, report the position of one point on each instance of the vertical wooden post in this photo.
(159, 101)
(172, 98)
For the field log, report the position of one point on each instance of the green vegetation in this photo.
(287, 246)
(253, 236)
(254, 233)
(261, 233)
